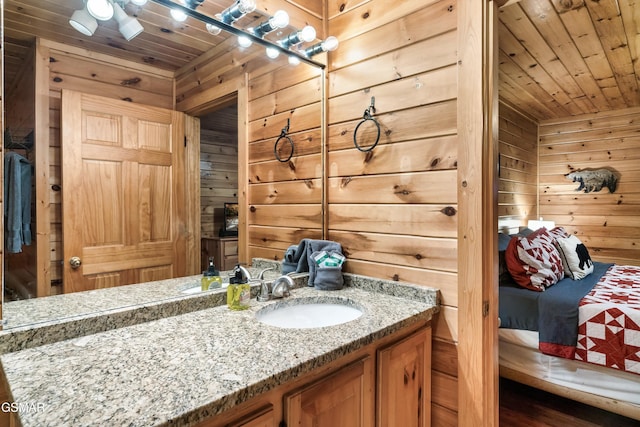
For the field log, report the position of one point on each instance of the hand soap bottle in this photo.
(211, 277)
(238, 291)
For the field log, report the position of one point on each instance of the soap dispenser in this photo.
(238, 291)
(211, 277)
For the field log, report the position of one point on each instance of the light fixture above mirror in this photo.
(227, 19)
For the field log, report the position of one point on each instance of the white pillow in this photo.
(575, 257)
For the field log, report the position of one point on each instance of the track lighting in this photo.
(100, 9)
(330, 44)
(237, 11)
(82, 21)
(128, 26)
(279, 20)
(85, 20)
(307, 34)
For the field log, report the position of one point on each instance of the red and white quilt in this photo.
(609, 321)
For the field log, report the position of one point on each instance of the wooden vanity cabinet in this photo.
(385, 384)
(404, 382)
(344, 398)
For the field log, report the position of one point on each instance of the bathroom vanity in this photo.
(211, 366)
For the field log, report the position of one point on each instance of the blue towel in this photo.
(298, 257)
(17, 202)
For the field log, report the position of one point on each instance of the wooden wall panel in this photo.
(394, 209)
(518, 168)
(285, 198)
(606, 223)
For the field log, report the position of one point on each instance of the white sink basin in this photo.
(307, 315)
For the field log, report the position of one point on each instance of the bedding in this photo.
(595, 319)
(554, 312)
(609, 321)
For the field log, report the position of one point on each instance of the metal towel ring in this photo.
(283, 135)
(367, 117)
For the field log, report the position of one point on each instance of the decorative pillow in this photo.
(534, 261)
(575, 257)
(558, 233)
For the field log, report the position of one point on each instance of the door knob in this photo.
(75, 262)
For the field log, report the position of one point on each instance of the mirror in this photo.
(167, 51)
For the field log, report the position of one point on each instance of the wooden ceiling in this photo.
(557, 58)
(561, 58)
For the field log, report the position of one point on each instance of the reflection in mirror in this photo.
(183, 66)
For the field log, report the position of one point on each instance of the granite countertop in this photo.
(38, 321)
(181, 369)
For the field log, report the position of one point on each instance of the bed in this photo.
(575, 335)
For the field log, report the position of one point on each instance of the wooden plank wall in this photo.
(81, 70)
(394, 209)
(20, 268)
(518, 170)
(218, 177)
(285, 198)
(608, 224)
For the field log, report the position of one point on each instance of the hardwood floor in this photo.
(521, 405)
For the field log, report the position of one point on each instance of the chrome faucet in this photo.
(282, 287)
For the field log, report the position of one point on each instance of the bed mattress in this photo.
(519, 351)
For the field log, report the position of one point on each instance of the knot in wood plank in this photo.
(448, 211)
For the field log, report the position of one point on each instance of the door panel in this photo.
(123, 192)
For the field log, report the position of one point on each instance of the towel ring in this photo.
(284, 137)
(367, 116)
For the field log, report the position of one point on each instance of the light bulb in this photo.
(279, 20)
(244, 41)
(100, 9)
(330, 44)
(308, 34)
(139, 2)
(294, 60)
(247, 6)
(178, 15)
(212, 29)
(272, 52)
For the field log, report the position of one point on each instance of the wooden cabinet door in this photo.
(125, 193)
(404, 382)
(263, 418)
(343, 399)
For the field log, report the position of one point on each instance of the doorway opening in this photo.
(219, 183)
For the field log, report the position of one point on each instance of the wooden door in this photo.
(404, 382)
(125, 193)
(345, 398)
